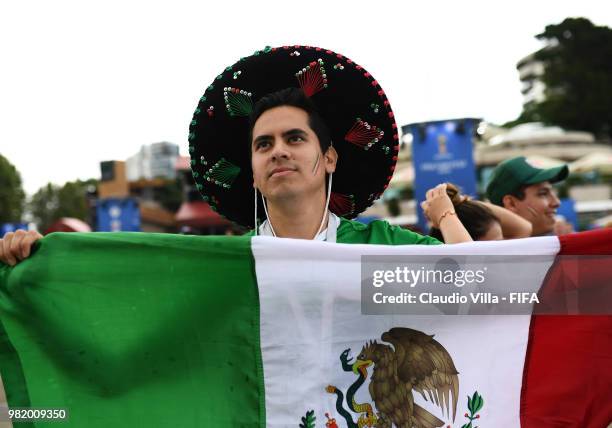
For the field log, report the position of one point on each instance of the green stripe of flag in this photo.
(128, 329)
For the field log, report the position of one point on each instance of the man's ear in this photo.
(509, 202)
(331, 158)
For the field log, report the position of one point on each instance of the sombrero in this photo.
(348, 98)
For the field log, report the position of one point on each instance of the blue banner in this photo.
(118, 215)
(442, 152)
(567, 209)
(12, 227)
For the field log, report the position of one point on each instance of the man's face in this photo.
(539, 206)
(286, 156)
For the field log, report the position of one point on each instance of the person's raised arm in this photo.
(513, 225)
(439, 209)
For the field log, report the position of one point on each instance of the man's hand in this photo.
(16, 246)
(437, 204)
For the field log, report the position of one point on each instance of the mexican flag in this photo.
(146, 330)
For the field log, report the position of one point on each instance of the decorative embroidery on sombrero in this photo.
(312, 78)
(341, 204)
(238, 102)
(222, 173)
(364, 135)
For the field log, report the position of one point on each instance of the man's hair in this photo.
(519, 193)
(293, 97)
(476, 217)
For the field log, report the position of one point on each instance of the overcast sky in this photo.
(83, 82)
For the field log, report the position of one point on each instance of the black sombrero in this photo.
(351, 102)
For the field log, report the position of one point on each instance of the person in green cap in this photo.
(527, 191)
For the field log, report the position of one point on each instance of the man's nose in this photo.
(280, 150)
(555, 202)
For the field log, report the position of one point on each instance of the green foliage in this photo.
(578, 78)
(12, 196)
(475, 403)
(53, 202)
(170, 195)
(393, 206)
(309, 420)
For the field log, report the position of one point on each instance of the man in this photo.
(281, 147)
(291, 165)
(527, 191)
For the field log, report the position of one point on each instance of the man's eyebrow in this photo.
(262, 138)
(290, 133)
(294, 132)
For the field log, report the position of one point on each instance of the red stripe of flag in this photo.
(567, 379)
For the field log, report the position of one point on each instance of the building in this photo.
(155, 160)
(531, 71)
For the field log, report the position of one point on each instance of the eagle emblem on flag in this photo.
(410, 361)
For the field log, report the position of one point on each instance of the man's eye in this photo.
(295, 138)
(261, 145)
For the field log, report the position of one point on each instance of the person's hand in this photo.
(437, 205)
(16, 246)
(562, 227)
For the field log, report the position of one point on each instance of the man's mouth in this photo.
(551, 214)
(282, 171)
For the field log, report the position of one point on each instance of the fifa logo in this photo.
(442, 144)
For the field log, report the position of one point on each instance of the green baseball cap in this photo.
(511, 174)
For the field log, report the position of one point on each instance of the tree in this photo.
(12, 196)
(577, 63)
(53, 202)
(170, 195)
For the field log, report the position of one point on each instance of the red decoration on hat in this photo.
(341, 204)
(363, 134)
(312, 78)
